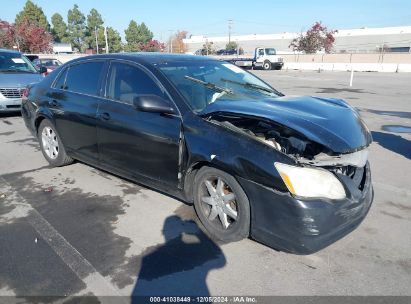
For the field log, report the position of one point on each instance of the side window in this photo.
(61, 80)
(261, 52)
(126, 82)
(84, 77)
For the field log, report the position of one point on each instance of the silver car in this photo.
(16, 72)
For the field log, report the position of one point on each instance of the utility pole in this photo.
(230, 25)
(95, 32)
(171, 40)
(105, 36)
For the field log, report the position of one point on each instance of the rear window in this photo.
(84, 77)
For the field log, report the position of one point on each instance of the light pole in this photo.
(105, 36)
(95, 32)
(230, 24)
(171, 40)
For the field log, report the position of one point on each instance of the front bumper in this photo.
(283, 222)
(10, 104)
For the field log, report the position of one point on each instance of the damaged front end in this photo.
(294, 144)
(331, 192)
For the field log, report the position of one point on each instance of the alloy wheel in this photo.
(50, 142)
(219, 202)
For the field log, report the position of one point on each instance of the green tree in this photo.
(34, 14)
(231, 45)
(137, 36)
(76, 27)
(59, 29)
(94, 22)
(113, 39)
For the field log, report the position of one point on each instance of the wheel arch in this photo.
(192, 172)
(40, 117)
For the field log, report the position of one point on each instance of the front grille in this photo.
(11, 92)
(357, 175)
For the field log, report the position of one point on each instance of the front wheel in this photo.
(221, 205)
(267, 65)
(51, 145)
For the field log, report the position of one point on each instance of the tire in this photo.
(51, 145)
(267, 65)
(278, 68)
(228, 198)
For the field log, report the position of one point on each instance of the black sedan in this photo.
(290, 172)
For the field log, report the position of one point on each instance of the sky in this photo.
(210, 17)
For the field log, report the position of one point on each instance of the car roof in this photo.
(10, 51)
(147, 57)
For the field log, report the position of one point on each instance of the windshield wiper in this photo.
(209, 85)
(253, 86)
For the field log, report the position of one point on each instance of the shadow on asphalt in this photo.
(179, 266)
(11, 114)
(394, 143)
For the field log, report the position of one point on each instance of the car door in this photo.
(74, 101)
(141, 144)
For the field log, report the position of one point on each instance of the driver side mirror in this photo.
(153, 104)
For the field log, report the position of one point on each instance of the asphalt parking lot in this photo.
(77, 230)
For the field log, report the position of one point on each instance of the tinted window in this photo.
(60, 81)
(84, 77)
(127, 81)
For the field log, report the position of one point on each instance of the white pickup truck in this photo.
(265, 58)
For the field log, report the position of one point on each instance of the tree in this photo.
(232, 45)
(7, 36)
(94, 23)
(33, 15)
(137, 36)
(317, 38)
(113, 39)
(208, 48)
(59, 29)
(153, 46)
(177, 42)
(26, 36)
(76, 27)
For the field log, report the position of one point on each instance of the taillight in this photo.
(25, 93)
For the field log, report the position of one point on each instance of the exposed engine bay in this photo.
(292, 143)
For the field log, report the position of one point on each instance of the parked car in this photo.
(291, 172)
(227, 52)
(16, 72)
(49, 63)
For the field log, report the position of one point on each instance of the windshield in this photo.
(270, 51)
(15, 63)
(206, 82)
(50, 62)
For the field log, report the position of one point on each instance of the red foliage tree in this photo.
(317, 38)
(153, 46)
(27, 37)
(6, 35)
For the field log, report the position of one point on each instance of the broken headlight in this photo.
(310, 182)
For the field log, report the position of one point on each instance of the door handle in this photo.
(104, 116)
(53, 103)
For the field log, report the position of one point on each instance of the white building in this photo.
(394, 39)
(62, 48)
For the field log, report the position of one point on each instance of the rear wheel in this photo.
(221, 205)
(51, 145)
(267, 65)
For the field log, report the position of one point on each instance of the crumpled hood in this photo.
(18, 80)
(330, 122)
